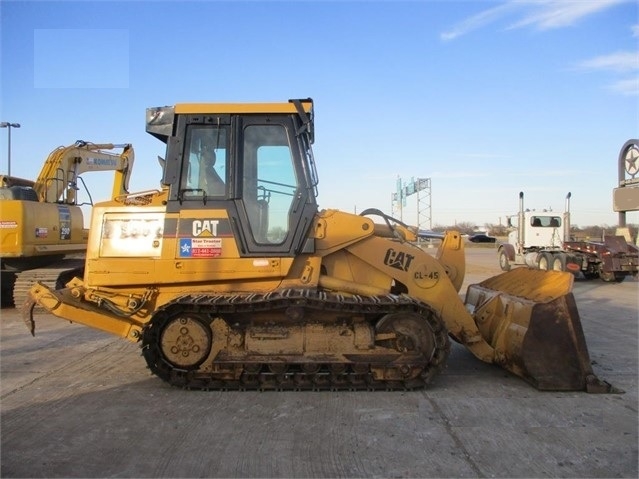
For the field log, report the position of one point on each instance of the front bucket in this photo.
(530, 317)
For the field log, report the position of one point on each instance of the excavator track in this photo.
(54, 276)
(296, 339)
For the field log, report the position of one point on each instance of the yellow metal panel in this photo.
(132, 271)
(335, 230)
(30, 228)
(11, 228)
(229, 108)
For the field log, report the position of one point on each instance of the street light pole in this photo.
(6, 124)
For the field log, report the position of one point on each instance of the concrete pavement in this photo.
(79, 403)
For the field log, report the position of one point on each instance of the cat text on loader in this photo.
(41, 221)
(236, 280)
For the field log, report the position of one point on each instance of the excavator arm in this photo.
(58, 178)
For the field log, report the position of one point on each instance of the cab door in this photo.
(275, 206)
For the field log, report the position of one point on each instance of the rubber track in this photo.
(225, 306)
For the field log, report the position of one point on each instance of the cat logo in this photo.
(205, 227)
(398, 259)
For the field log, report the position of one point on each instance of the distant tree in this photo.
(463, 227)
(595, 232)
(496, 230)
(466, 227)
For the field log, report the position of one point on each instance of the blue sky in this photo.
(485, 98)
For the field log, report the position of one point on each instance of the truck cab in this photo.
(541, 230)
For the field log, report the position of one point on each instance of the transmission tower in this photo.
(424, 206)
(421, 187)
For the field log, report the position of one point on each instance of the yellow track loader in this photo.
(249, 285)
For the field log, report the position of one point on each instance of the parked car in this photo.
(482, 238)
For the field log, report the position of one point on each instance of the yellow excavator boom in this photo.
(64, 164)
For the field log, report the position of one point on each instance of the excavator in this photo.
(252, 287)
(42, 234)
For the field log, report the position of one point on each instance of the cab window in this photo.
(205, 168)
(269, 182)
(545, 221)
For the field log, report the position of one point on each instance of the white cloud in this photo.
(551, 14)
(628, 87)
(618, 62)
(540, 14)
(478, 21)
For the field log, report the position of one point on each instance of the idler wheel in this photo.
(185, 342)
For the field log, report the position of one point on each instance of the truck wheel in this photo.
(558, 262)
(591, 275)
(503, 261)
(612, 277)
(544, 261)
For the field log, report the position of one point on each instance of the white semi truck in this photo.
(541, 239)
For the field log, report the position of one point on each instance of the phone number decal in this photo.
(200, 247)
